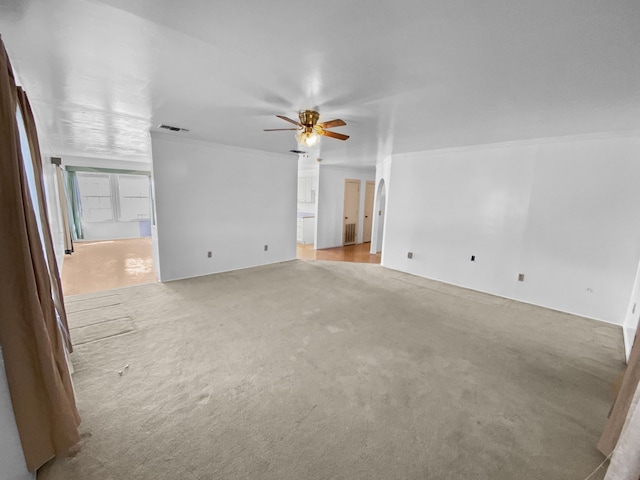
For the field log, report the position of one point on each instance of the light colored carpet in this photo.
(96, 317)
(326, 370)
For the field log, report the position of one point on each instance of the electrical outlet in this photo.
(209, 254)
(266, 247)
(410, 255)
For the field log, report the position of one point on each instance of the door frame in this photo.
(369, 185)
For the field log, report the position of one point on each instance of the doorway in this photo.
(306, 203)
(111, 214)
(351, 211)
(368, 211)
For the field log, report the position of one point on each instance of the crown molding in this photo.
(219, 146)
(525, 143)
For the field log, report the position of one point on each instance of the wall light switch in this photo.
(266, 247)
(521, 277)
(473, 258)
(209, 254)
(410, 255)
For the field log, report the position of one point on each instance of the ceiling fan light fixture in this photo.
(308, 139)
(309, 130)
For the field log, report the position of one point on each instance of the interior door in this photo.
(368, 211)
(351, 210)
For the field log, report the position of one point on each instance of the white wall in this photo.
(563, 212)
(329, 219)
(154, 250)
(93, 231)
(223, 199)
(630, 325)
(12, 462)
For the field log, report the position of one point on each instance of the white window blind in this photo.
(112, 197)
(133, 193)
(96, 197)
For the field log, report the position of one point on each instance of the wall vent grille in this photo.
(173, 129)
(349, 233)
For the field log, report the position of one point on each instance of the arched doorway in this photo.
(379, 216)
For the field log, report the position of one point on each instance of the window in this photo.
(111, 197)
(133, 194)
(31, 176)
(96, 197)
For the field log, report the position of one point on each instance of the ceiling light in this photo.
(308, 139)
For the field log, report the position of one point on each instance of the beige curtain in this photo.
(625, 463)
(622, 405)
(36, 160)
(31, 338)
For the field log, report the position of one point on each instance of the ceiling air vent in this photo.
(173, 129)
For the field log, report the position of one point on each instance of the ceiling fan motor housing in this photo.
(308, 118)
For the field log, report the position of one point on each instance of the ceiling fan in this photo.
(310, 129)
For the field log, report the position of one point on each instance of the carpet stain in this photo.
(307, 415)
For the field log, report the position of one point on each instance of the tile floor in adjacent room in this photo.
(104, 265)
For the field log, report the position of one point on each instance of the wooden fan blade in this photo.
(332, 123)
(287, 119)
(279, 129)
(339, 136)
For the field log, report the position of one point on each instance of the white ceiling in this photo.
(407, 75)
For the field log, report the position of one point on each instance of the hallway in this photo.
(358, 253)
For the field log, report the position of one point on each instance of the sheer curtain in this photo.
(62, 198)
(74, 205)
(32, 326)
